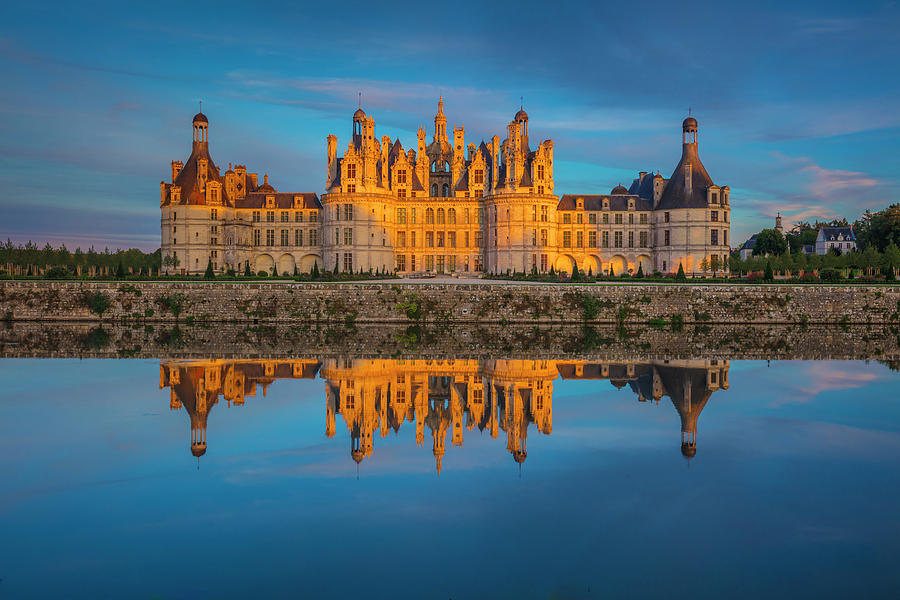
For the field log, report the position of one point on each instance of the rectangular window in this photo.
(313, 237)
(348, 212)
(544, 217)
(714, 237)
(631, 218)
(401, 216)
(256, 237)
(412, 217)
(348, 262)
(348, 236)
(298, 237)
(618, 218)
(543, 262)
(480, 216)
(467, 239)
(440, 239)
(412, 262)
(579, 239)
(666, 237)
(451, 263)
(579, 218)
(213, 214)
(631, 239)
(451, 239)
(605, 239)
(401, 193)
(429, 239)
(567, 239)
(298, 216)
(606, 218)
(440, 263)
(479, 238)
(270, 237)
(544, 237)
(642, 239)
(429, 263)
(666, 217)
(618, 239)
(540, 171)
(313, 216)
(256, 216)
(714, 216)
(401, 239)
(270, 216)
(725, 238)
(401, 262)
(479, 176)
(643, 218)
(592, 239)
(285, 216)
(534, 213)
(567, 219)
(337, 236)
(592, 218)
(351, 171)
(412, 239)
(284, 237)
(401, 175)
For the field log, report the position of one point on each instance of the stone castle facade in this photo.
(443, 207)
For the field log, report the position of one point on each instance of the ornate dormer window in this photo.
(270, 201)
(298, 203)
(606, 204)
(579, 203)
(631, 204)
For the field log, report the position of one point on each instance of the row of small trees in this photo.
(30, 255)
(867, 262)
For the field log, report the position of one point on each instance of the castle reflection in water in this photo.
(376, 396)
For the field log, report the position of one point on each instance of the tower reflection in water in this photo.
(376, 396)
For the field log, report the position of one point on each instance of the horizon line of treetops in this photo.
(877, 237)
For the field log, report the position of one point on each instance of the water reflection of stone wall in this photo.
(599, 342)
(443, 399)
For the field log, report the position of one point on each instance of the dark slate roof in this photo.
(591, 203)
(416, 183)
(643, 188)
(831, 233)
(750, 244)
(283, 200)
(619, 190)
(463, 183)
(673, 195)
(187, 178)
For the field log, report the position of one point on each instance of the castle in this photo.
(442, 207)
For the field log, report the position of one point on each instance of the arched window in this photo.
(445, 190)
(451, 216)
(440, 216)
(434, 189)
(429, 216)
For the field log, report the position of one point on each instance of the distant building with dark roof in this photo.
(839, 238)
(442, 207)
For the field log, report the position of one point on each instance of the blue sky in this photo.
(797, 102)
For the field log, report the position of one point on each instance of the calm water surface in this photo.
(448, 479)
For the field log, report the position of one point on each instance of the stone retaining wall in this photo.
(285, 303)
